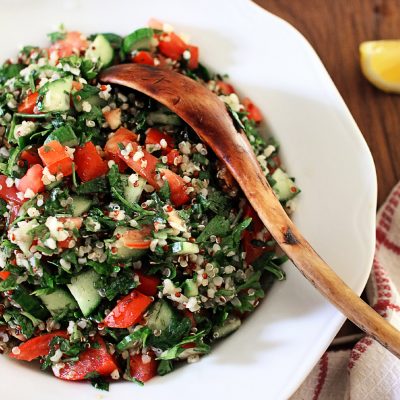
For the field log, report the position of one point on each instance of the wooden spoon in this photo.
(207, 115)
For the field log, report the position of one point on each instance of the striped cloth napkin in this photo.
(368, 371)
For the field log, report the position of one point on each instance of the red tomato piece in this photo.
(177, 187)
(96, 359)
(111, 148)
(88, 162)
(190, 315)
(9, 194)
(171, 45)
(30, 157)
(172, 157)
(37, 346)
(148, 284)
(73, 43)
(137, 239)
(28, 104)
(77, 85)
(64, 244)
(143, 57)
(55, 158)
(276, 164)
(145, 166)
(71, 222)
(142, 371)
(4, 275)
(128, 311)
(193, 62)
(154, 136)
(14, 213)
(225, 88)
(252, 109)
(32, 180)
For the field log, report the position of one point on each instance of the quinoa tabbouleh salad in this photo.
(126, 245)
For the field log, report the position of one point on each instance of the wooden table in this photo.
(335, 28)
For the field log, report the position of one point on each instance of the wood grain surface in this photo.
(335, 28)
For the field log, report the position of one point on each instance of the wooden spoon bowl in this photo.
(207, 115)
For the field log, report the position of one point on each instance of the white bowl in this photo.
(269, 61)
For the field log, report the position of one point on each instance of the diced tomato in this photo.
(193, 62)
(4, 275)
(145, 166)
(276, 163)
(28, 104)
(154, 136)
(89, 164)
(142, 371)
(177, 187)
(73, 43)
(77, 85)
(190, 345)
(225, 88)
(253, 252)
(113, 118)
(190, 315)
(137, 238)
(112, 149)
(143, 57)
(37, 346)
(64, 244)
(13, 213)
(174, 157)
(9, 194)
(32, 180)
(171, 45)
(55, 158)
(148, 284)
(95, 359)
(30, 157)
(252, 109)
(128, 310)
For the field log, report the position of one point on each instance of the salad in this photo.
(127, 247)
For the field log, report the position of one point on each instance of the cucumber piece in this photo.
(80, 205)
(58, 302)
(123, 252)
(230, 325)
(65, 135)
(29, 303)
(163, 118)
(283, 186)
(160, 316)
(84, 292)
(132, 193)
(180, 248)
(56, 95)
(100, 49)
(138, 40)
(190, 288)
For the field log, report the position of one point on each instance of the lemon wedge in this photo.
(380, 63)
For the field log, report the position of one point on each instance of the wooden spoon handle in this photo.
(207, 115)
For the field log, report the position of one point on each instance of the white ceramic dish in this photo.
(268, 60)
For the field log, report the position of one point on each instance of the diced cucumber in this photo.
(163, 118)
(80, 205)
(160, 316)
(65, 135)
(138, 40)
(122, 252)
(284, 187)
(230, 325)
(100, 49)
(132, 193)
(84, 292)
(58, 302)
(56, 95)
(180, 248)
(29, 303)
(190, 288)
